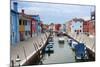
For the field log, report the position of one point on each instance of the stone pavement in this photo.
(25, 49)
(89, 41)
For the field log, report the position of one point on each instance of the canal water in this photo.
(56, 52)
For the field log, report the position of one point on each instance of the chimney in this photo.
(23, 11)
(15, 6)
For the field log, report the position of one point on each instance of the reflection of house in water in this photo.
(61, 45)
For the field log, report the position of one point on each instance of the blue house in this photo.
(14, 25)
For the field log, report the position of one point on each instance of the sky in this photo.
(56, 13)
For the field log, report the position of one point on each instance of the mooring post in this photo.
(18, 60)
(12, 63)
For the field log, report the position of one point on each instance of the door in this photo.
(21, 36)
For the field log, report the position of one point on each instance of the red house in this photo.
(89, 27)
(33, 26)
(57, 27)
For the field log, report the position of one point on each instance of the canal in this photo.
(56, 52)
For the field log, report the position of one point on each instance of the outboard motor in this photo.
(69, 42)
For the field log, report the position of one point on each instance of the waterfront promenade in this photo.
(89, 41)
(26, 49)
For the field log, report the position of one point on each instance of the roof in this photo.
(35, 17)
(14, 11)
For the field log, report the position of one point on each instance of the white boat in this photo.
(61, 39)
(74, 44)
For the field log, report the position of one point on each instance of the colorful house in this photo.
(68, 26)
(89, 27)
(75, 25)
(52, 27)
(33, 26)
(64, 27)
(37, 23)
(24, 26)
(14, 25)
(57, 27)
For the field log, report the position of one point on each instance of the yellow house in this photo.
(24, 26)
(21, 28)
(21, 25)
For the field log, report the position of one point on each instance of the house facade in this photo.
(36, 24)
(14, 25)
(75, 26)
(88, 27)
(24, 26)
(33, 26)
(57, 27)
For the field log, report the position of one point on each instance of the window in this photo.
(26, 33)
(20, 22)
(29, 32)
(13, 34)
(85, 23)
(12, 20)
(25, 22)
(80, 30)
(75, 30)
(93, 17)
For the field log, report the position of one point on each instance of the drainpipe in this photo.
(31, 28)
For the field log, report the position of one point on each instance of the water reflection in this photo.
(49, 49)
(61, 45)
(56, 52)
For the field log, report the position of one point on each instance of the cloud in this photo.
(56, 12)
(30, 11)
(87, 2)
(84, 17)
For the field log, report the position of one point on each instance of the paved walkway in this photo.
(89, 41)
(25, 49)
